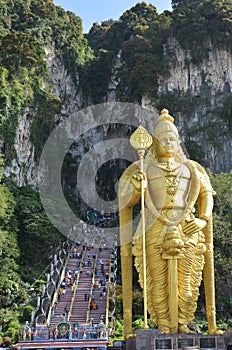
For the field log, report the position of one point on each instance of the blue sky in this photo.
(100, 10)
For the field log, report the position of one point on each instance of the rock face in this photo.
(215, 72)
(62, 83)
(208, 82)
(23, 168)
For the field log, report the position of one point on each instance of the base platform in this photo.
(152, 339)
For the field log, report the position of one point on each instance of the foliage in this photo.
(29, 29)
(95, 76)
(197, 22)
(182, 103)
(138, 74)
(200, 324)
(142, 52)
(137, 302)
(222, 184)
(23, 223)
(12, 289)
(48, 107)
(119, 330)
(138, 324)
(139, 37)
(9, 279)
(107, 36)
(224, 113)
(22, 65)
(25, 313)
(13, 329)
(34, 227)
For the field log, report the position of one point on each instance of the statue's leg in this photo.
(158, 293)
(189, 273)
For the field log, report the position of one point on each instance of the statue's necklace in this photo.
(172, 178)
(168, 166)
(172, 181)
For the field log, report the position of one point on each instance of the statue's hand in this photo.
(194, 225)
(137, 179)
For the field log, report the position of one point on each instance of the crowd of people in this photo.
(86, 256)
(85, 251)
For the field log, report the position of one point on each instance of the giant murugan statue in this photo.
(177, 238)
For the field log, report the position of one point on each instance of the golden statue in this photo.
(173, 237)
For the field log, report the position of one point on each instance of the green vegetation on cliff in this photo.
(139, 37)
(130, 51)
(27, 30)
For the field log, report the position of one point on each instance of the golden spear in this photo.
(141, 140)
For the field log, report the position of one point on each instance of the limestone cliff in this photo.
(207, 82)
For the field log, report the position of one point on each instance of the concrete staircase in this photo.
(74, 305)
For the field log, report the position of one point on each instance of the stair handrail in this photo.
(54, 299)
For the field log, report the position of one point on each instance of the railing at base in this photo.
(84, 331)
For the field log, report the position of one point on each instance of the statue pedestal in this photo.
(152, 339)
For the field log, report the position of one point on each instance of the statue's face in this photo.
(167, 145)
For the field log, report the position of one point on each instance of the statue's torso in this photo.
(169, 189)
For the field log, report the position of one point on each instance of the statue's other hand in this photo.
(137, 179)
(194, 225)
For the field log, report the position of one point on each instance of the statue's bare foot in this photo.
(164, 330)
(130, 336)
(184, 329)
(216, 331)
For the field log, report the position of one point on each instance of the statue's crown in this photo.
(165, 123)
(164, 115)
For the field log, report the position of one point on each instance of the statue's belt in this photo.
(172, 214)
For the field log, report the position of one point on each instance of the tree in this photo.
(36, 235)
(11, 289)
(197, 23)
(9, 252)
